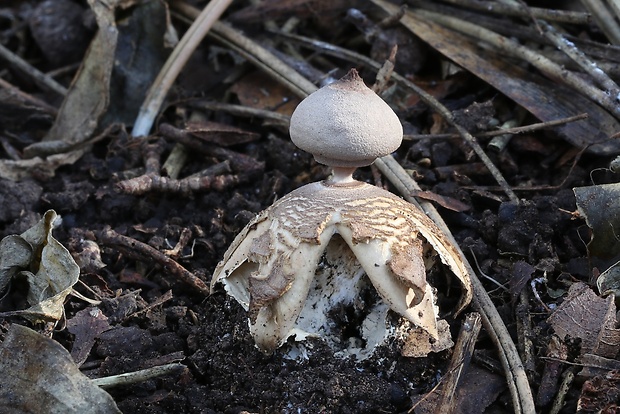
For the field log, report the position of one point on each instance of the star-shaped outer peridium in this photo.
(271, 264)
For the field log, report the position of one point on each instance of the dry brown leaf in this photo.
(477, 390)
(39, 376)
(600, 206)
(258, 90)
(88, 97)
(220, 134)
(116, 72)
(589, 317)
(601, 394)
(446, 202)
(86, 325)
(46, 264)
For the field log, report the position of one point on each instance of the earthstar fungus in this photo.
(271, 265)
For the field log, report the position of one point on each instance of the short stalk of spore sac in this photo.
(271, 268)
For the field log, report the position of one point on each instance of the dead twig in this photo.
(580, 58)
(139, 376)
(461, 357)
(184, 187)
(142, 251)
(569, 48)
(567, 380)
(158, 301)
(524, 332)
(216, 177)
(615, 6)
(240, 110)
(562, 16)
(511, 131)
(41, 78)
(27, 98)
(239, 162)
(576, 159)
(604, 18)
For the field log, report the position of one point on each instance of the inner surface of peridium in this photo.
(342, 306)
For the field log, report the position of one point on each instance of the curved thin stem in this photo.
(175, 63)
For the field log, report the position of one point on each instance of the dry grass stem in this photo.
(569, 48)
(243, 111)
(604, 19)
(615, 6)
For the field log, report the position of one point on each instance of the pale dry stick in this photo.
(139, 376)
(38, 76)
(254, 52)
(175, 63)
(615, 6)
(512, 131)
(569, 49)
(142, 251)
(494, 325)
(583, 61)
(562, 16)
(175, 162)
(337, 51)
(604, 19)
(261, 57)
(435, 105)
(461, 357)
(515, 49)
